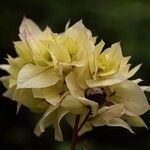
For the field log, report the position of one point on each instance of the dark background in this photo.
(128, 21)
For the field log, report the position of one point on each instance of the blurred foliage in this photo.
(128, 21)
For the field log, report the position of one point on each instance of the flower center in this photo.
(96, 94)
(99, 95)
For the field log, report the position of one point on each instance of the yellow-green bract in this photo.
(52, 72)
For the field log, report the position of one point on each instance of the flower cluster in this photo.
(68, 74)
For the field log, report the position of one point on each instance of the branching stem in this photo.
(84, 121)
(74, 133)
(77, 128)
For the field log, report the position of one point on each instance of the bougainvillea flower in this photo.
(122, 106)
(66, 74)
(109, 67)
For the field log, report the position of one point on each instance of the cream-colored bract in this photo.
(53, 70)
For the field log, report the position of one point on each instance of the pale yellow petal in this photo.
(15, 65)
(23, 51)
(33, 76)
(92, 60)
(99, 47)
(124, 61)
(106, 81)
(40, 50)
(71, 82)
(29, 26)
(67, 25)
(18, 107)
(60, 114)
(50, 94)
(106, 114)
(131, 95)
(70, 118)
(117, 122)
(137, 81)
(89, 104)
(77, 105)
(133, 71)
(135, 121)
(5, 81)
(12, 81)
(145, 88)
(83, 74)
(52, 116)
(113, 50)
(5, 67)
(72, 104)
(74, 30)
(25, 97)
(46, 120)
(87, 127)
(60, 52)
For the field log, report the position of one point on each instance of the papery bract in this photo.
(53, 72)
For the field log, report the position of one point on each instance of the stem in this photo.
(74, 133)
(84, 121)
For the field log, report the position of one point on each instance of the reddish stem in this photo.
(74, 133)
